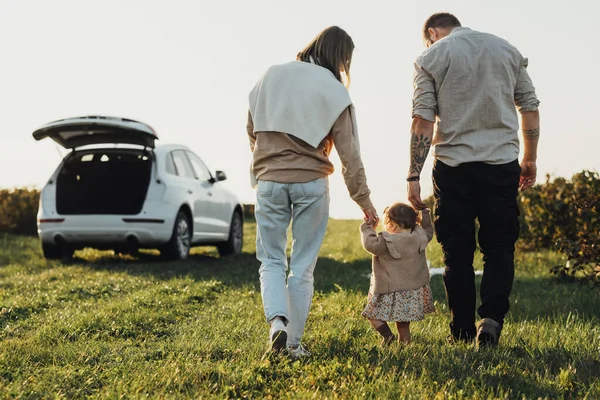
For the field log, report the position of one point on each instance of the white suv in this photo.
(117, 190)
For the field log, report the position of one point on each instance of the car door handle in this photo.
(210, 193)
(190, 191)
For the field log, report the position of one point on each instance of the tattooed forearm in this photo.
(419, 149)
(531, 134)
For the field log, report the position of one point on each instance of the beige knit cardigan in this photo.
(399, 261)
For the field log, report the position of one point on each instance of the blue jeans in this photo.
(306, 205)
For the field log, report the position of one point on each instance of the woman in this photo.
(298, 111)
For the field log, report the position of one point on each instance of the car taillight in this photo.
(50, 220)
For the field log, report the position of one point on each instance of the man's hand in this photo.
(531, 137)
(371, 216)
(414, 195)
(528, 174)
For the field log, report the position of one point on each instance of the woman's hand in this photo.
(371, 216)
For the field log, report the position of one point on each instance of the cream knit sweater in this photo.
(298, 98)
(399, 261)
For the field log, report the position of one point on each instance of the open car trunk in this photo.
(104, 181)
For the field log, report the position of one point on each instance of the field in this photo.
(105, 326)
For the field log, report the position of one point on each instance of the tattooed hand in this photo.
(531, 135)
(414, 195)
(528, 174)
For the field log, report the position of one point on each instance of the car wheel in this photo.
(57, 252)
(178, 247)
(236, 237)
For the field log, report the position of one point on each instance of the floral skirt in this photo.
(403, 306)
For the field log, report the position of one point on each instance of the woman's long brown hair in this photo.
(332, 48)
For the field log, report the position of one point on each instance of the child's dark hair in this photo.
(403, 214)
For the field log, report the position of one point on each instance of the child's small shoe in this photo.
(387, 335)
(388, 340)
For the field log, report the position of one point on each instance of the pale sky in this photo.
(186, 67)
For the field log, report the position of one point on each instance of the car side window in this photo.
(182, 165)
(170, 165)
(202, 173)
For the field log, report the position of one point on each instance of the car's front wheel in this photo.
(178, 247)
(234, 244)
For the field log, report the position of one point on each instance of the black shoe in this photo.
(461, 335)
(451, 339)
(488, 333)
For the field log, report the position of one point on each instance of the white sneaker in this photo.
(298, 351)
(277, 335)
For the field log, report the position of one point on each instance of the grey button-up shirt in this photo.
(473, 82)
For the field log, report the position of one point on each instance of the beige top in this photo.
(284, 158)
(472, 81)
(399, 261)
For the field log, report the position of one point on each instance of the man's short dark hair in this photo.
(439, 20)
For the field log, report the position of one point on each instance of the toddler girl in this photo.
(399, 288)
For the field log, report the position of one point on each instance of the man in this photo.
(469, 83)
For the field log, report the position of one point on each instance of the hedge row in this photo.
(18, 211)
(561, 209)
(565, 214)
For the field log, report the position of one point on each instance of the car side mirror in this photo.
(220, 176)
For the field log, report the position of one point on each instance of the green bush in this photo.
(18, 211)
(560, 210)
(249, 212)
(583, 249)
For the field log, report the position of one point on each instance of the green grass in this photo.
(106, 327)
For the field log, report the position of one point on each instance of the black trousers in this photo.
(488, 193)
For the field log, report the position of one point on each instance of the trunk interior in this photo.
(104, 181)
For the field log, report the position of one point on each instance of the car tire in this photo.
(178, 247)
(57, 252)
(234, 244)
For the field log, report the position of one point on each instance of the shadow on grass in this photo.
(542, 298)
(557, 373)
(529, 373)
(551, 297)
(234, 271)
(495, 370)
(531, 298)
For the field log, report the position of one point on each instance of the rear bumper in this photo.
(105, 230)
